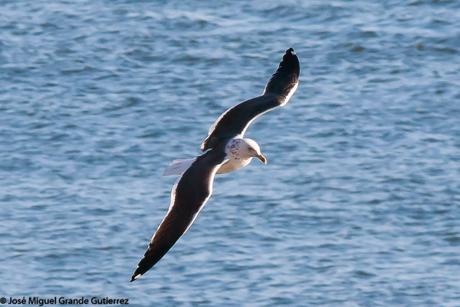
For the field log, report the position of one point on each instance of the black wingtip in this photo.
(286, 76)
(290, 57)
(135, 276)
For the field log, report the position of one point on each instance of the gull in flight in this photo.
(225, 150)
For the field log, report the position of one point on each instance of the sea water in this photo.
(358, 206)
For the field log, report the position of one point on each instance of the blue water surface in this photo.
(358, 206)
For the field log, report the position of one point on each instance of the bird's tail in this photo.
(178, 167)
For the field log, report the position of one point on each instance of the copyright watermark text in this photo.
(62, 300)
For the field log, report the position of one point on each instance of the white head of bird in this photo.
(243, 149)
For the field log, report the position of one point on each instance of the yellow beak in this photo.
(262, 158)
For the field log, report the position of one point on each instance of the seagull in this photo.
(225, 150)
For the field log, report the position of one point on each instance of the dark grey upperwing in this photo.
(187, 198)
(277, 92)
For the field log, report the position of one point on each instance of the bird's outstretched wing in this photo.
(187, 198)
(278, 91)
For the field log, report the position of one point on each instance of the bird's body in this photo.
(225, 150)
(239, 153)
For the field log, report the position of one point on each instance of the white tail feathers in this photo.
(177, 167)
